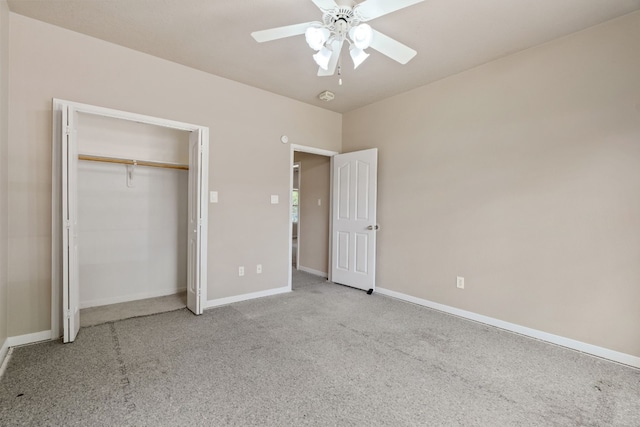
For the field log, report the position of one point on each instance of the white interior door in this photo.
(353, 228)
(70, 266)
(196, 256)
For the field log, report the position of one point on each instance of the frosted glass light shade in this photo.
(358, 56)
(316, 37)
(361, 36)
(322, 58)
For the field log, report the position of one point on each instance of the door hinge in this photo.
(69, 314)
(67, 224)
(67, 130)
(200, 222)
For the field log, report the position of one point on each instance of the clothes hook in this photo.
(130, 170)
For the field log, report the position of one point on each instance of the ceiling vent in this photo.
(327, 96)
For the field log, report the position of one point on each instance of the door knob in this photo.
(373, 227)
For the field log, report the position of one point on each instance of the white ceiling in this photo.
(214, 36)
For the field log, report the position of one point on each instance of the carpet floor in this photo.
(321, 355)
(125, 310)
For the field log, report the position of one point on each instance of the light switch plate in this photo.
(274, 199)
(213, 197)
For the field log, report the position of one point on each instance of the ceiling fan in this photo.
(345, 23)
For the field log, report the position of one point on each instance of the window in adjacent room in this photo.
(295, 197)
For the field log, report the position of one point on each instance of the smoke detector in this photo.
(327, 96)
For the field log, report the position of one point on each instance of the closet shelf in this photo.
(132, 162)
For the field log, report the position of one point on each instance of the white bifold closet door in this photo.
(196, 223)
(70, 264)
(197, 210)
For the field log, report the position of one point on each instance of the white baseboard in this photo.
(244, 297)
(128, 298)
(580, 346)
(314, 272)
(29, 338)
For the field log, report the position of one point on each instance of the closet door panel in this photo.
(70, 267)
(194, 284)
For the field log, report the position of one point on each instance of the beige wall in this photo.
(313, 238)
(247, 161)
(523, 176)
(4, 54)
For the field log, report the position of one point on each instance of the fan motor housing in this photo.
(341, 16)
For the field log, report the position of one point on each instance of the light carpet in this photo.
(321, 355)
(108, 313)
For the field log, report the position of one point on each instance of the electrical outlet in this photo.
(460, 282)
(241, 271)
(259, 268)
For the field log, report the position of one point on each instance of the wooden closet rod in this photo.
(132, 162)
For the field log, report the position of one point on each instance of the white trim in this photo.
(311, 150)
(128, 298)
(314, 272)
(299, 216)
(56, 220)
(204, 215)
(4, 361)
(125, 115)
(245, 297)
(30, 338)
(330, 248)
(3, 354)
(580, 346)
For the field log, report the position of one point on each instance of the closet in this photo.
(132, 214)
(128, 208)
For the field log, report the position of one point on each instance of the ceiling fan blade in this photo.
(282, 32)
(392, 48)
(325, 4)
(336, 46)
(371, 9)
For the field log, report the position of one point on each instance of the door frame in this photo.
(311, 150)
(56, 207)
(298, 226)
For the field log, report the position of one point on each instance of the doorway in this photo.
(352, 217)
(310, 217)
(311, 205)
(295, 215)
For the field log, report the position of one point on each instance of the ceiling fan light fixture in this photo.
(358, 56)
(322, 58)
(316, 37)
(343, 22)
(361, 36)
